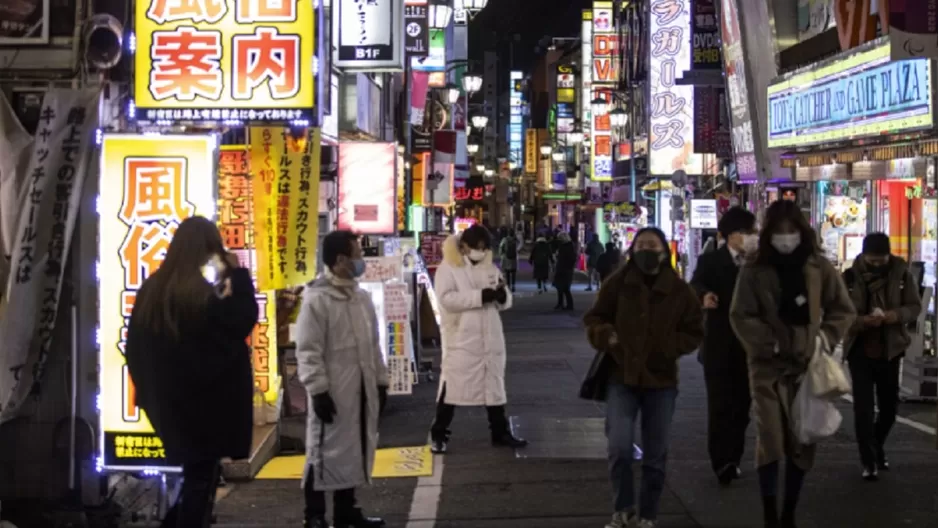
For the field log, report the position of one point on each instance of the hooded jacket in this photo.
(337, 351)
(901, 296)
(473, 365)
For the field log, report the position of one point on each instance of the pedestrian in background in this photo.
(186, 345)
(645, 317)
(339, 362)
(472, 294)
(722, 356)
(594, 250)
(886, 296)
(781, 303)
(564, 271)
(508, 256)
(541, 260)
(608, 262)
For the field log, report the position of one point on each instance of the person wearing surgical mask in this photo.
(784, 300)
(722, 355)
(339, 361)
(472, 294)
(644, 318)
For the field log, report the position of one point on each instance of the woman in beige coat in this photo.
(782, 302)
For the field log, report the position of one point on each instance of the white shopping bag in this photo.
(813, 418)
(827, 375)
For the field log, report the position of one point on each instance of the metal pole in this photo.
(408, 149)
(429, 172)
(632, 183)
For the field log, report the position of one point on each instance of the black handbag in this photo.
(596, 381)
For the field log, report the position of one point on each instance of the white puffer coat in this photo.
(337, 351)
(473, 341)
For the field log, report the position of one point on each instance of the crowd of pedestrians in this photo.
(757, 308)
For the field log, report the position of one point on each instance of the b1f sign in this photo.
(369, 35)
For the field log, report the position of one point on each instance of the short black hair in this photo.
(876, 244)
(337, 243)
(610, 246)
(475, 234)
(734, 220)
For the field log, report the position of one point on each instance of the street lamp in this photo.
(546, 149)
(471, 83)
(599, 106)
(558, 156)
(575, 138)
(452, 93)
(440, 13)
(489, 173)
(618, 118)
(472, 148)
(480, 168)
(480, 121)
(470, 5)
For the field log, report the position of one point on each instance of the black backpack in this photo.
(511, 250)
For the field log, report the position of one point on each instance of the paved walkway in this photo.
(560, 480)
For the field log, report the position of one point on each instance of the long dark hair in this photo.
(664, 242)
(778, 213)
(178, 292)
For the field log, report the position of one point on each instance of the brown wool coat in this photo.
(774, 377)
(655, 326)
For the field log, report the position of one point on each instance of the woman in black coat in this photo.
(563, 274)
(190, 365)
(541, 259)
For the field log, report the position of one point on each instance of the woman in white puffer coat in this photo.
(472, 292)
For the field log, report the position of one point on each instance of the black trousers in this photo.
(498, 419)
(564, 297)
(879, 377)
(728, 405)
(510, 277)
(541, 284)
(343, 501)
(193, 507)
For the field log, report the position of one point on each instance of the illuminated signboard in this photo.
(224, 60)
(369, 35)
(861, 95)
(566, 84)
(605, 74)
(149, 184)
(515, 131)
(740, 111)
(586, 77)
(671, 142)
(366, 187)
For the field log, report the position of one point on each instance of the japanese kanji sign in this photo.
(224, 60)
(236, 223)
(53, 170)
(285, 187)
(149, 185)
(604, 76)
(370, 34)
(671, 138)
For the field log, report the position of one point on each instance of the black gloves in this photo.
(382, 397)
(494, 295)
(324, 407)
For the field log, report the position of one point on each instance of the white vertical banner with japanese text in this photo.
(55, 173)
(604, 70)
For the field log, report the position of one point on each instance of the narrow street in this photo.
(560, 479)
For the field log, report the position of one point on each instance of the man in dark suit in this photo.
(721, 354)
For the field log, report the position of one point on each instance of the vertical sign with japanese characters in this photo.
(285, 196)
(236, 223)
(149, 185)
(224, 60)
(604, 76)
(671, 134)
(369, 34)
(416, 27)
(586, 76)
(48, 204)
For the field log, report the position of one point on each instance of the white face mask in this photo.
(750, 243)
(477, 255)
(786, 244)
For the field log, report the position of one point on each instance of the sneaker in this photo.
(882, 463)
(621, 520)
(646, 523)
(870, 474)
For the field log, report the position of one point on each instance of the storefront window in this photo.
(841, 219)
(911, 221)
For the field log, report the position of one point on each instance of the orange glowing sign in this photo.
(224, 60)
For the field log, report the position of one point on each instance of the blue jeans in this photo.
(623, 405)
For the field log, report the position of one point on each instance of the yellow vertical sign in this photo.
(532, 151)
(285, 186)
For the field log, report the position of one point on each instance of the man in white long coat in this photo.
(472, 292)
(339, 361)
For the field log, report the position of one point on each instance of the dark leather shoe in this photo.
(508, 440)
(438, 446)
(315, 522)
(356, 519)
